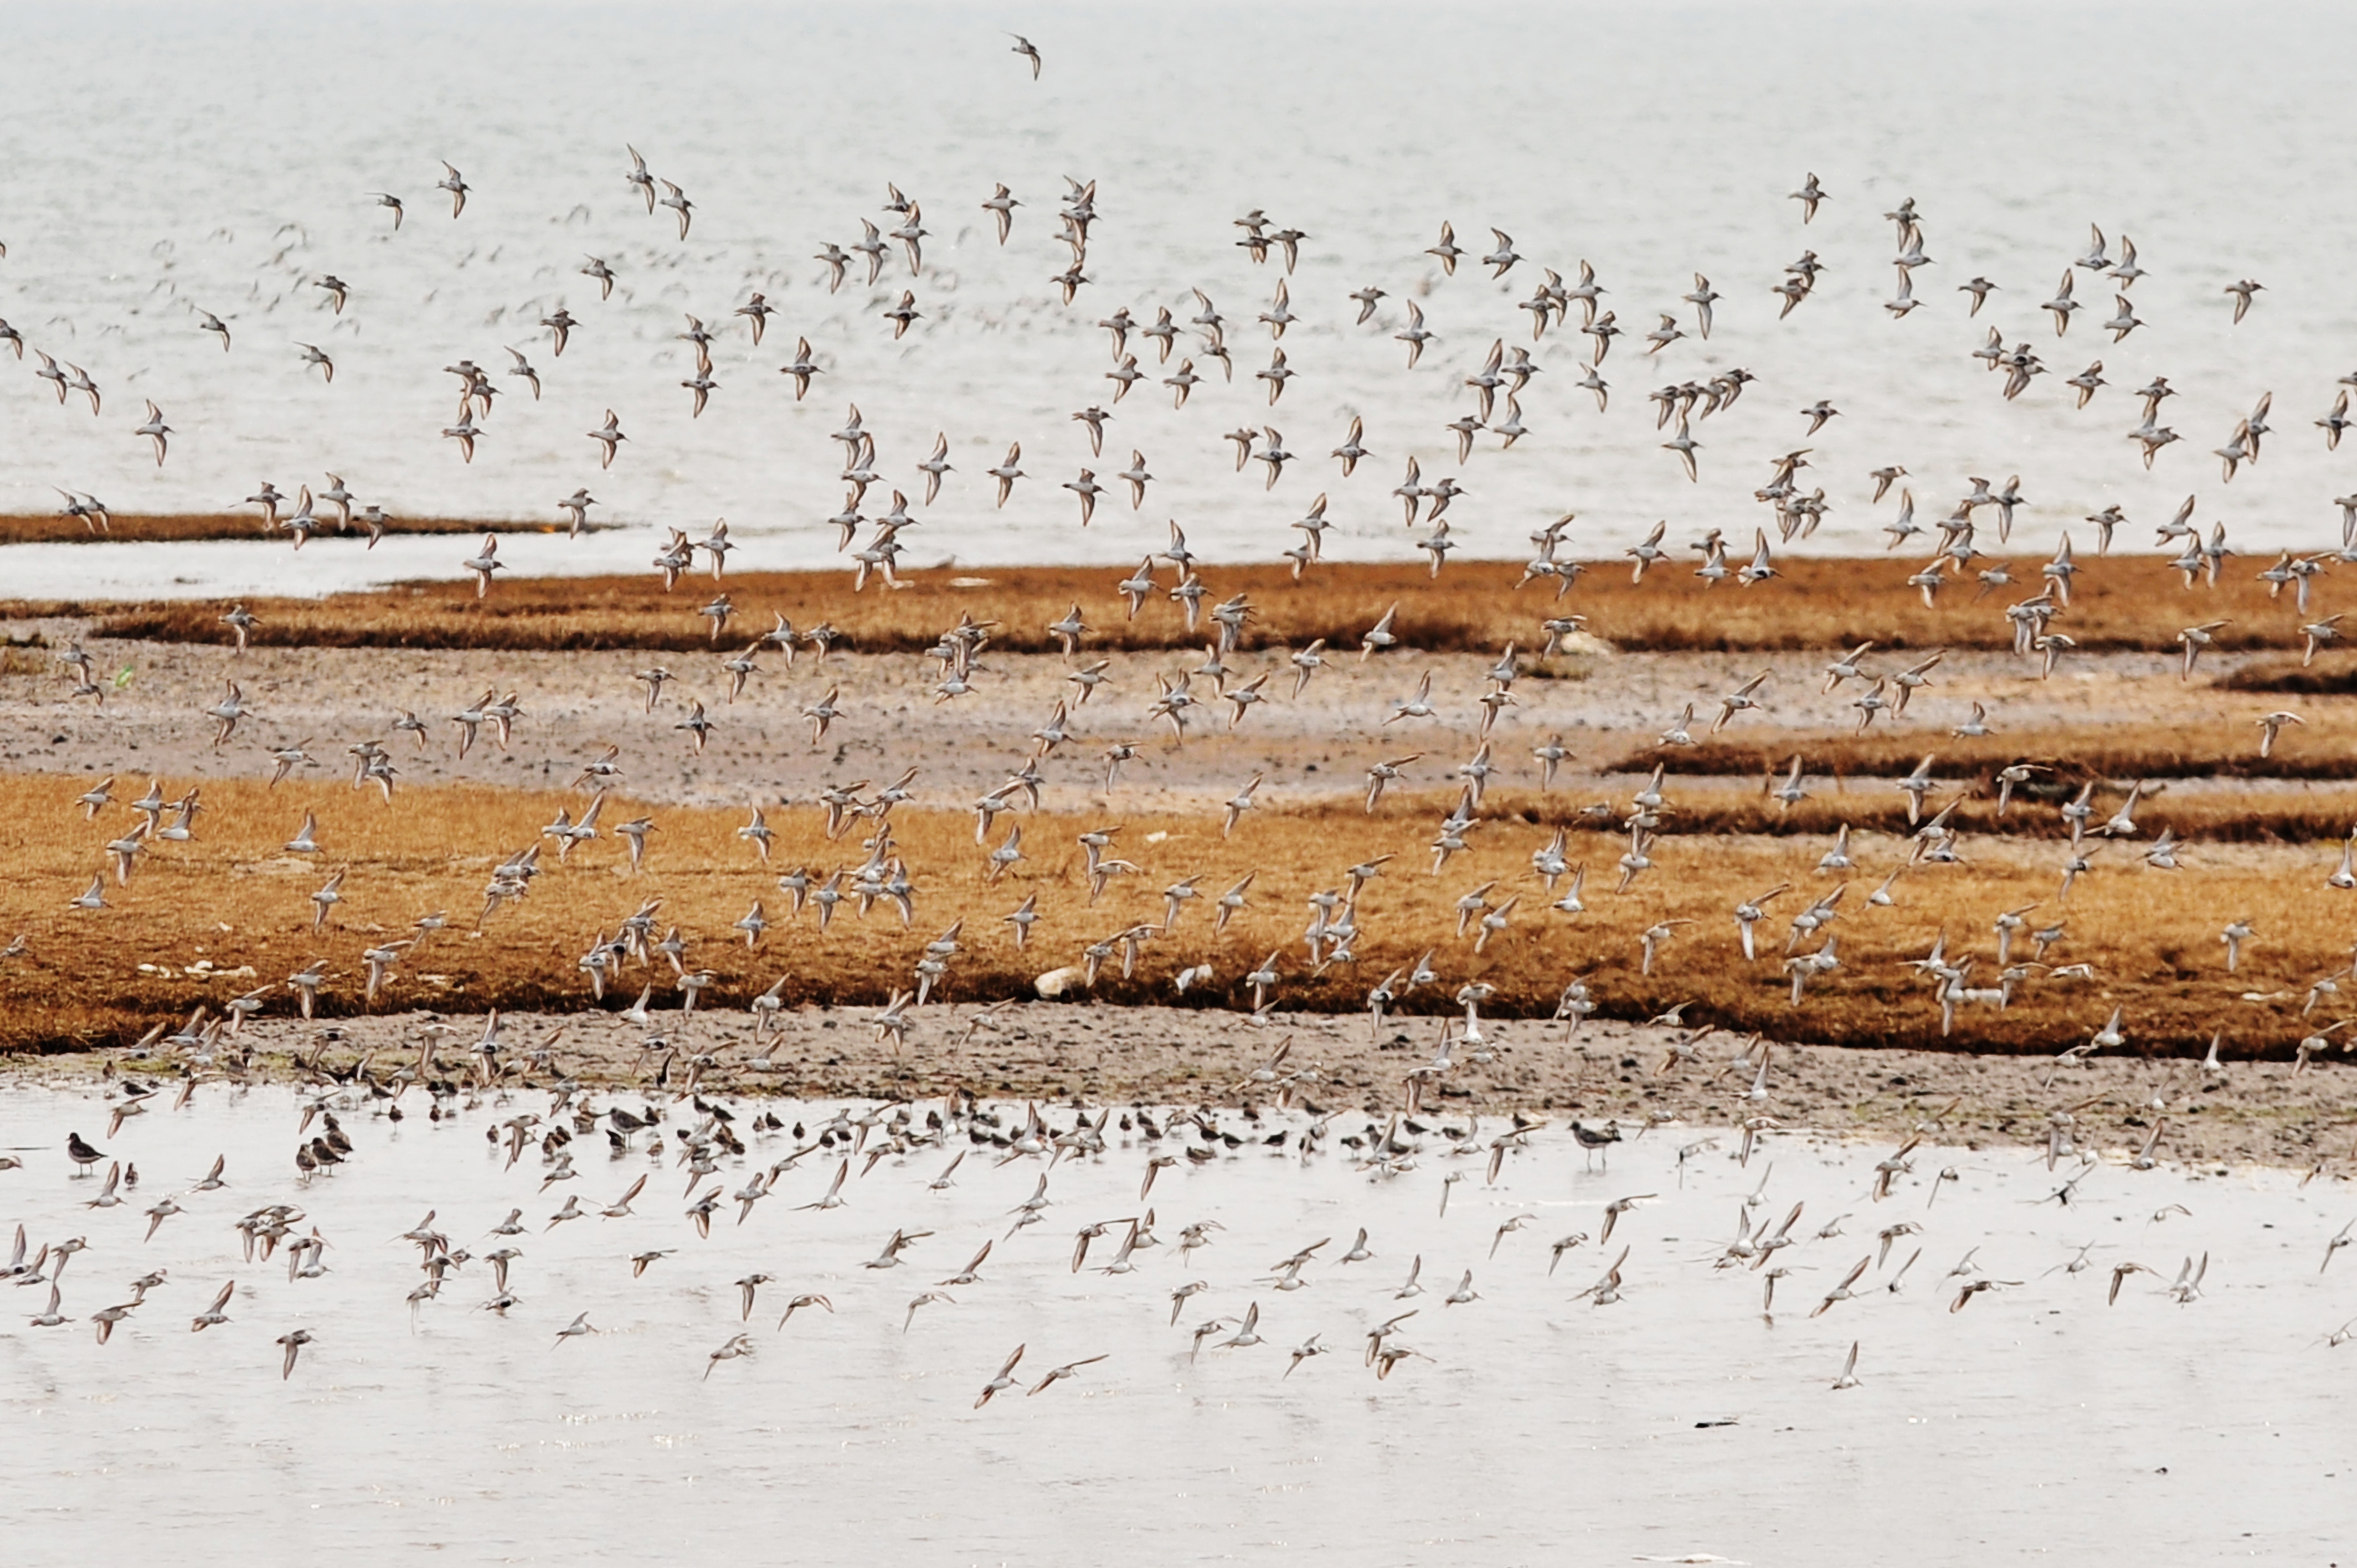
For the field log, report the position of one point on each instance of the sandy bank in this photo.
(2253, 1112)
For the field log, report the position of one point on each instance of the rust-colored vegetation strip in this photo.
(2120, 604)
(229, 913)
(63, 527)
(2222, 748)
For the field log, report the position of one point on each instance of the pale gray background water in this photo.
(2038, 1422)
(155, 161)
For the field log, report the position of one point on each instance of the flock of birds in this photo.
(1487, 913)
(711, 1140)
(1960, 556)
(1197, 334)
(716, 1142)
(2035, 602)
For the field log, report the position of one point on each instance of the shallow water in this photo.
(1540, 1428)
(220, 158)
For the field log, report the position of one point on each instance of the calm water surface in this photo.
(1542, 1428)
(157, 162)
